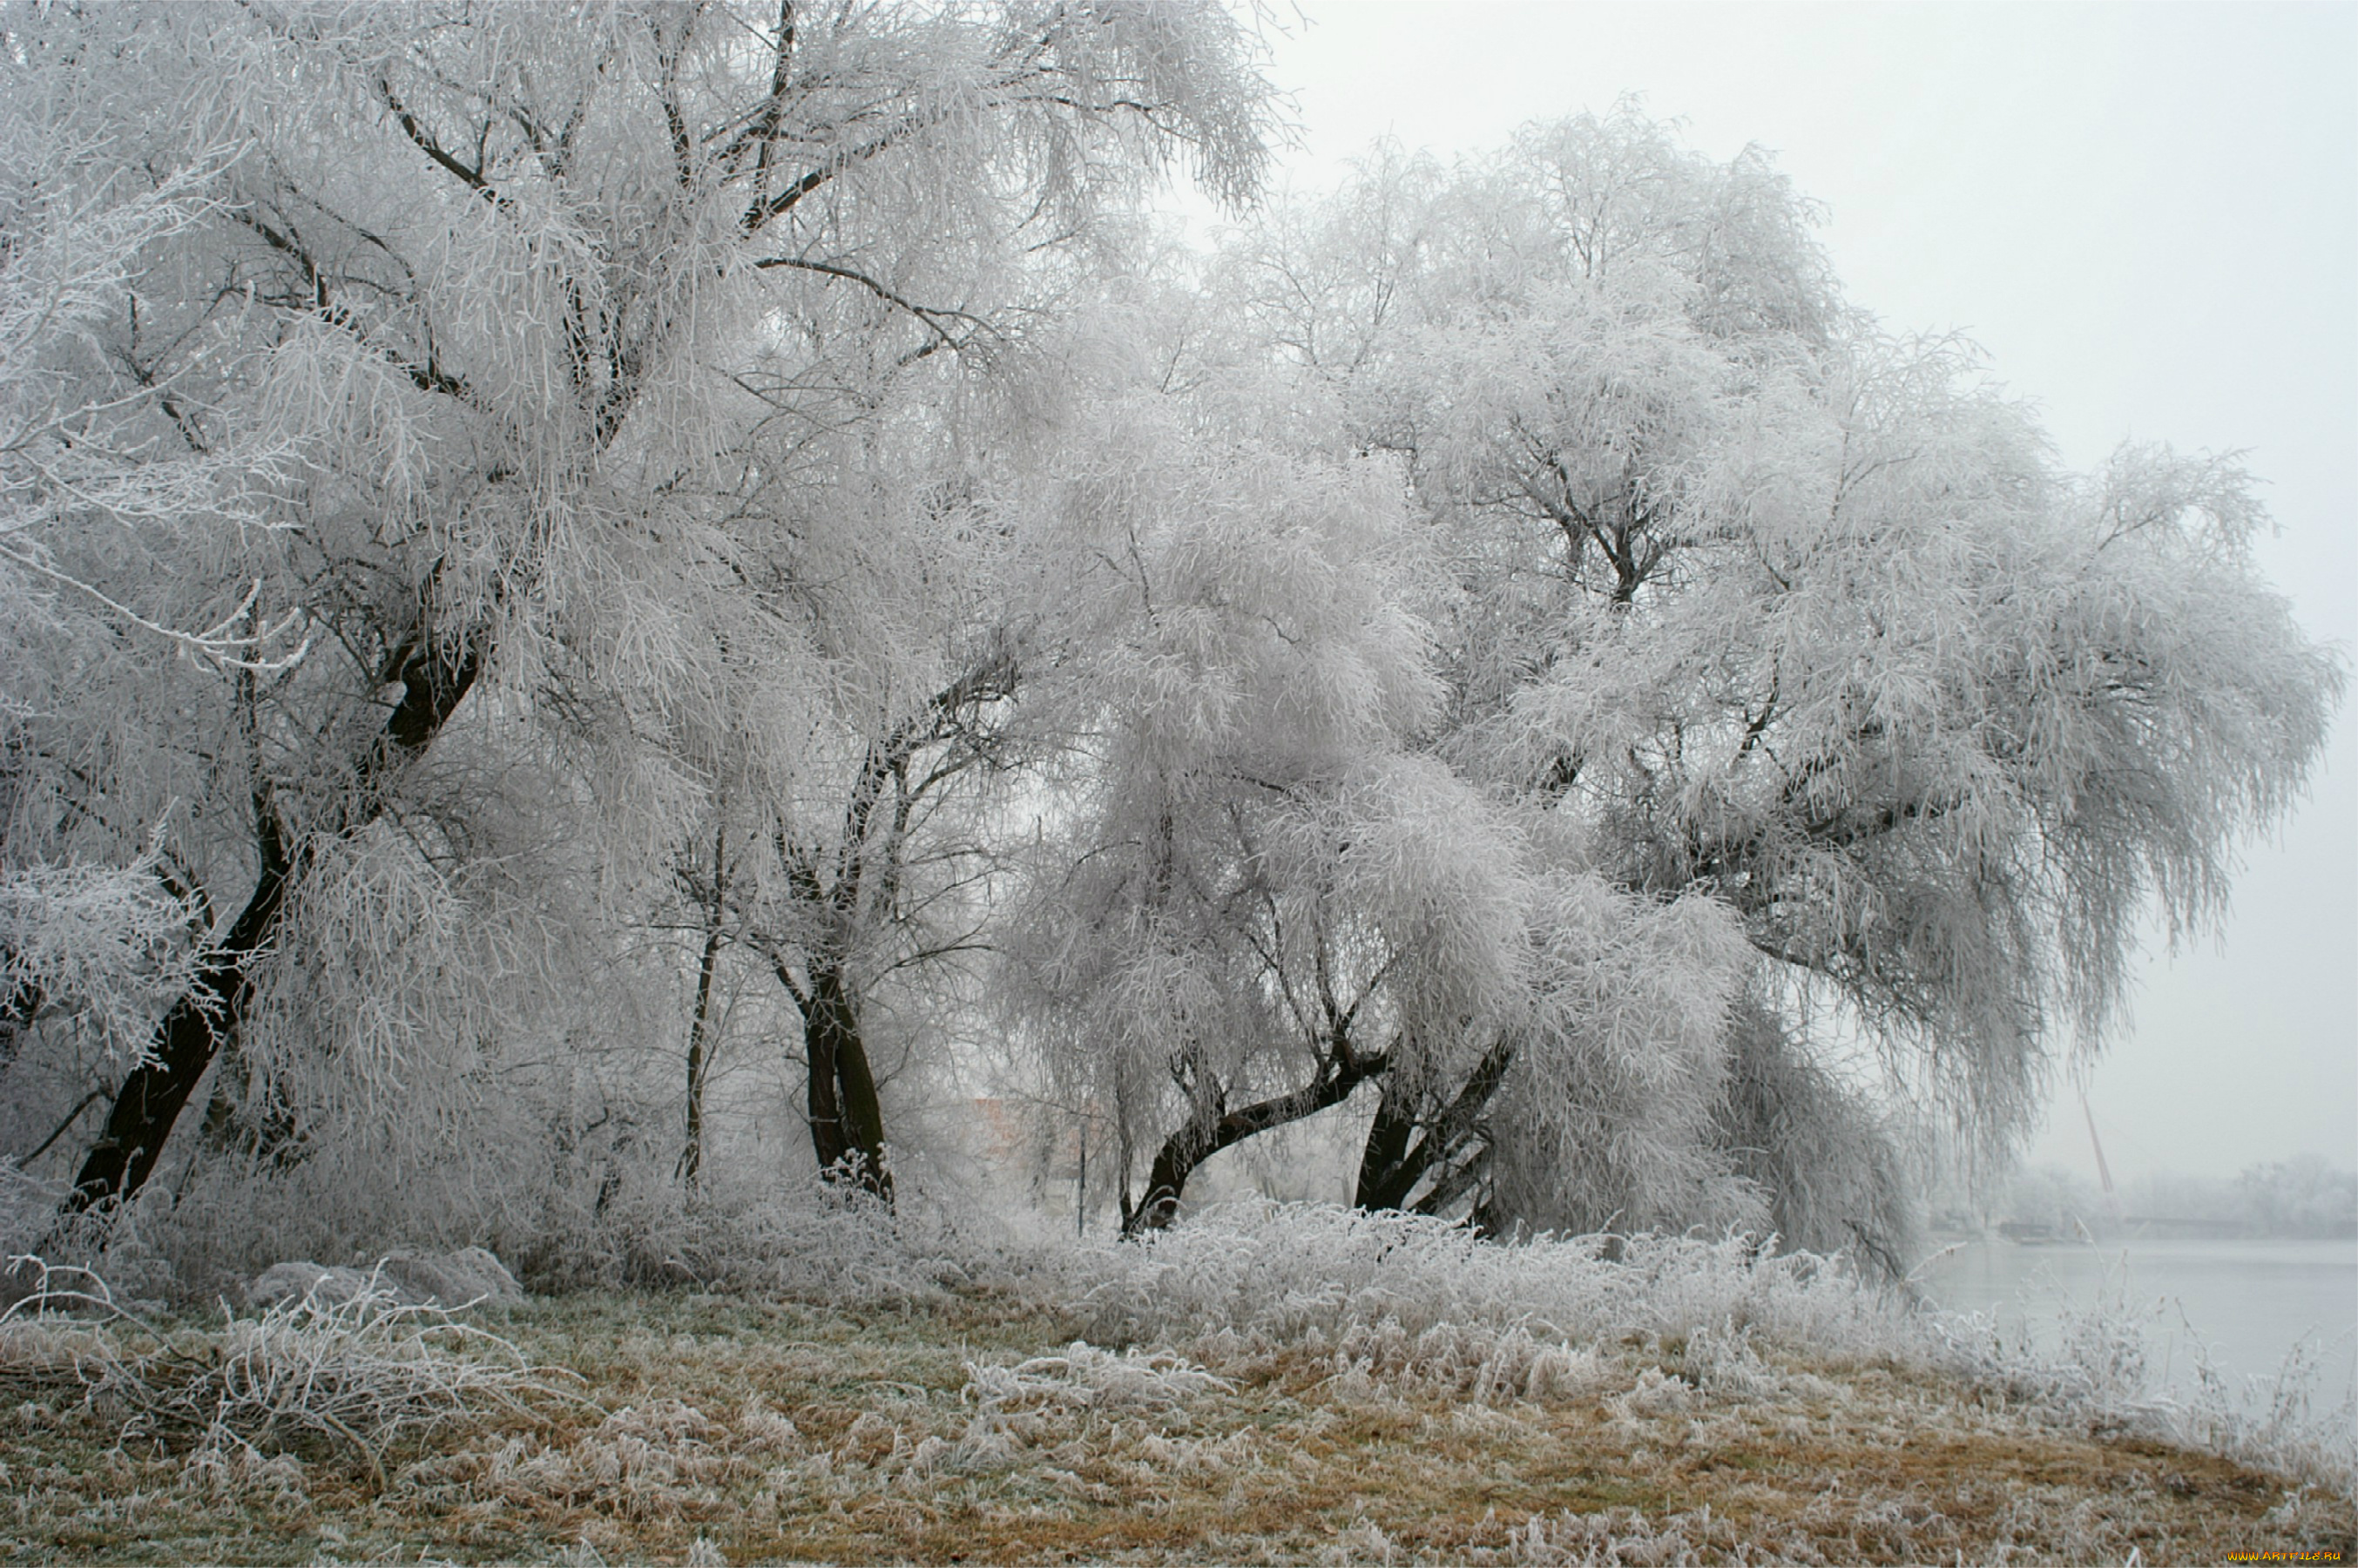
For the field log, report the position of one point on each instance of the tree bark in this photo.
(1403, 1149)
(1386, 1166)
(847, 1119)
(434, 677)
(700, 1023)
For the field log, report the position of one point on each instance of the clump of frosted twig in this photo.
(111, 945)
(366, 1371)
(1085, 1376)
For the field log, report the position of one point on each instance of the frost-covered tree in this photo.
(122, 474)
(848, 669)
(553, 324)
(1262, 890)
(1772, 692)
(1779, 613)
(1222, 937)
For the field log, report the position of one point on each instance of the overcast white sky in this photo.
(2149, 216)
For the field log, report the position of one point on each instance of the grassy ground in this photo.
(972, 1429)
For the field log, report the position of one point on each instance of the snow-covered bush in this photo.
(365, 1371)
(1277, 1273)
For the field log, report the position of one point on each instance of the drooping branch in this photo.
(1205, 1136)
(931, 316)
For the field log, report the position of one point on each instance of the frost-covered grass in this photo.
(1262, 1384)
(1268, 1274)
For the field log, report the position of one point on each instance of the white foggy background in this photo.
(2148, 216)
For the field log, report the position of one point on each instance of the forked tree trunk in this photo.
(846, 1120)
(1425, 1162)
(434, 678)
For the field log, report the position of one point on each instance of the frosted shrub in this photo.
(1088, 1377)
(1722, 1362)
(365, 1371)
(808, 1240)
(1279, 1273)
(1473, 1363)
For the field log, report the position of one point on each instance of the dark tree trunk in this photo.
(192, 1034)
(433, 679)
(1386, 1172)
(700, 1023)
(691, 1154)
(847, 1121)
(1450, 1150)
(1207, 1135)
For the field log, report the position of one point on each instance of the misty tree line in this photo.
(2301, 1197)
(586, 605)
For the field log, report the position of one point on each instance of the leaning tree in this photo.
(1264, 890)
(1808, 620)
(1733, 603)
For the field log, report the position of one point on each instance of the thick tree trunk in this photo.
(1387, 1170)
(192, 1034)
(846, 1120)
(433, 679)
(1205, 1136)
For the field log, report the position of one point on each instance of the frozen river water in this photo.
(2249, 1301)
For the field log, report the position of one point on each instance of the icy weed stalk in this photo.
(2110, 1373)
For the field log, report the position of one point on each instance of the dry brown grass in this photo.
(728, 1429)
